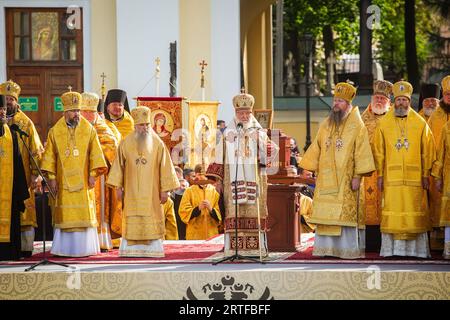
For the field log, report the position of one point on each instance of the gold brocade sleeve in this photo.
(215, 205)
(310, 160)
(108, 141)
(364, 163)
(171, 223)
(169, 180)
(438, 165)
(49, 158)
(428, 151)
(97, 163)
(379, 152)
(115, 177)
(35, 145)
(186, 207)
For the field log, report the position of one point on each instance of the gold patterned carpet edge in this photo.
(259, 284)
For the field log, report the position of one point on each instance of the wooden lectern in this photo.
(282, 200)
(283, 233)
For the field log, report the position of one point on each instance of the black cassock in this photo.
(181, 226)
(11, 250)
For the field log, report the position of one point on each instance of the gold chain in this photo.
(339, 142)
(402, 133)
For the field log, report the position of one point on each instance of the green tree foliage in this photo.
(389, 40)
(307, 16)
(311, 16)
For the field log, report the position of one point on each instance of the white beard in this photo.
(379, 108)
(144, 141)
(428, 111)
(251, 123)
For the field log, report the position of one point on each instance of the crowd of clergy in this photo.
(111, 182)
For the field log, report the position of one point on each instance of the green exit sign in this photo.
(28, 104)
(57, 104)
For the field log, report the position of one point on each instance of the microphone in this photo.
(16, 128)
(239, 126)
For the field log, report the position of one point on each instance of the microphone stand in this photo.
(236, 255)
(44, 261)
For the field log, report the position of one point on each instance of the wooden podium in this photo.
(283, 222)
(283, 200)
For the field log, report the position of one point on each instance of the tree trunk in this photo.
(412, 65)
(365, 48)
(278, 55)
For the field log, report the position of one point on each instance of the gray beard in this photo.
(72, 123)
(428, 111)
(335, 117)
(10, 110)
(143, 140)
(400, 112)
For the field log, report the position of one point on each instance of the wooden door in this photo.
(43, 71)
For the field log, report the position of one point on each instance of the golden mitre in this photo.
(446, 84)
(141, 115)
(402, 89)
(243, 101)
(345, 90)
(89, 101)
(10, 88)
(382, 87)
(71, 101)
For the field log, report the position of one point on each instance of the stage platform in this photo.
(281, 277)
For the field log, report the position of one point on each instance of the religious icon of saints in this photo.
(45, 49)
(203, 132)
(159, 126)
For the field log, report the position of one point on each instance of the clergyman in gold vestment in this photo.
(404, 152)
(11, 91)
(437, 122)
(117, 112)
(375, 111)
(73, 159)
(340, 155)
(108, 207)
(144, 170)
